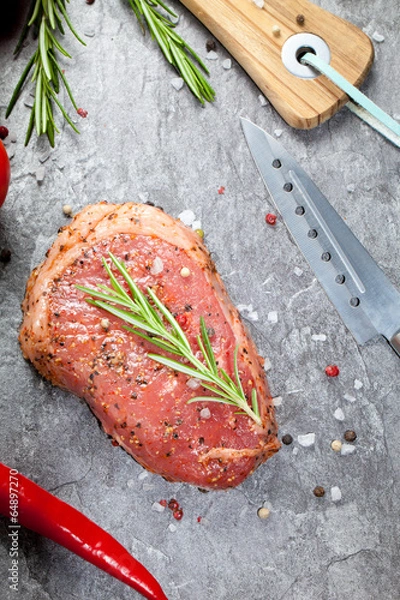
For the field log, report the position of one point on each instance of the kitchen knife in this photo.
(362, 294)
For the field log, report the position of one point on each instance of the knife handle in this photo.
(395, 342)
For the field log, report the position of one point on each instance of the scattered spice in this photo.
(199, 519)
(163, 502)
(287, 439)
(336, 445)
(3, 132)
(67, 210)
(211, 45)
(82, 113)
(178, 514)
(276, 31)
(200, 232)
(300, 19)
(185, 272)
(332, 370)
(270, 219)
(350, 435)
(319, 491)
(221, 190)
(173, 504)
(263, 512)
(105, 324)
(89, 1)
(5, 256)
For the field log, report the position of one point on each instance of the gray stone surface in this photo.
(145, 140)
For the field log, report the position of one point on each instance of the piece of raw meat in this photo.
(140, 403)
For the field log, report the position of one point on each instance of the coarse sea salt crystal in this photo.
(157, 507)
(40, 171)
(193, 383)
(187, 217)
(318, 337)
(205, 413)
(157, 266)
(306, 440)
(143, 475)
(358, 384)
(336, 494)
(349, 398)
(177, 83)
(339, 414)
(297, 271)
(259, 3)
(262, 100)
(347, 449)
(172, 528)
(278, 133)
(277, 400)
(227, 64)
(272, 316)
(267, 364)
(212, 55)
(196, 224)
(351, 188)
(378, 37)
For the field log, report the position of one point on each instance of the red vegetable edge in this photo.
(49, 516)
(5, 173)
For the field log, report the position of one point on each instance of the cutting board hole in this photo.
(303, 51)
(297, 46)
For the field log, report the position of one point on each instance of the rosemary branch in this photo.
(147, 317)
(46, 17)
(177, 52)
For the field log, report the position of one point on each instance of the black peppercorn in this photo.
(287, 439)
(350, 436)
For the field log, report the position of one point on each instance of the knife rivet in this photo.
(299, 210)
(340, 279)
(354, 302)
(326, 257)
(288, 187)
(312, 234)
(276, 163)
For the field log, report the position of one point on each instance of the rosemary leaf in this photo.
(46, 17)
(148, 318)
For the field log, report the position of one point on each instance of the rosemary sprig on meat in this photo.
(147, 317)
(177, 52)
(47, 19)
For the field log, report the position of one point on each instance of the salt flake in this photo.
(272, 316)
(297, 271)
(262, 100)
(212, 55)
(319, 337)
(347, 449)
(358, 384)
(187, 217)
(277, 400)
(339, 414)
(177, 83)
(378, 37)
(157, 507)
(336, 494)
(307, 440)
(227, 64)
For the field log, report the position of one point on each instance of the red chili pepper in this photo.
(35, 508)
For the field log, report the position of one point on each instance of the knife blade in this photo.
(366, 300)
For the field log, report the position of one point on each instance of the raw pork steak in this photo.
(140, 403)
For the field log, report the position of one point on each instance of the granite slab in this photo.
(147, 139)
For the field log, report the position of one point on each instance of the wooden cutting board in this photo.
(255, 37)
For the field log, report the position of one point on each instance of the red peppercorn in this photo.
(199, 519)
(115, 443)
(163, 502)
(173, 504)
(3, 132)
(270, 219)
(332, 370)
(182, 320)
(178, 514)
(221, 189)
(82, 113)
